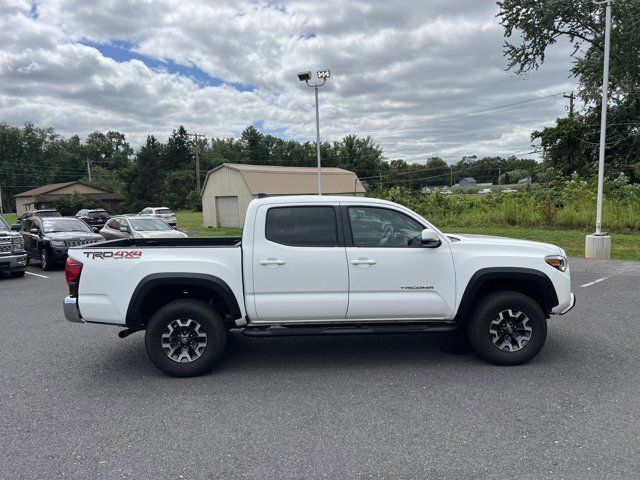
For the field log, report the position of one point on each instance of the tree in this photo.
(145, 179)
(179, 153)
(253, 147)
(361, 155)
(110, 150)
(533, 26)
(569, 146)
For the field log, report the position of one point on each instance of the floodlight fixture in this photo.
(324, 73)
(304, 76)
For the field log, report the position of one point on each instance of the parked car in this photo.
(138, 227)
(509, 190)
(446, 192)
(485, 191)
(305, 266)
(48, 239)
(13, 258)
(94, 218)
(160, 212)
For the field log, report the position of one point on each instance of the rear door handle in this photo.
(272, 261)
(363, 261)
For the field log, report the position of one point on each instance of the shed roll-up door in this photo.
(227, 212)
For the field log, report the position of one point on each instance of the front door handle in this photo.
(272, 261)
(363, 261)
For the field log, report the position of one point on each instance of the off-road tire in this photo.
(489, 314)
(209, 322)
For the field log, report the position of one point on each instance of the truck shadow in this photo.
(286, 356)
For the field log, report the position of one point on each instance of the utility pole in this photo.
(598, 245)
(451, 172)
(571, 98)
(197, 151)
(89, 169)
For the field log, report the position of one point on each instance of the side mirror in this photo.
(34, 230)
(430, 238)
(95, 229)
(15, 227)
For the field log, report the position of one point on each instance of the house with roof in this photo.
(43, 197)
(229, 188)
(467, 182)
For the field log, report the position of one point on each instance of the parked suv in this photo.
(13, 258)
(48, 239)
(94, 218)
(161, 212)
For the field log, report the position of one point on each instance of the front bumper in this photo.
(71, 311)
(572, 303)
(13, 263)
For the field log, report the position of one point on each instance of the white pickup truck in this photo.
(320, 265)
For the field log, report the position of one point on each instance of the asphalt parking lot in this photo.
(78, 402)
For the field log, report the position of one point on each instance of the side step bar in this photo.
(280, 331)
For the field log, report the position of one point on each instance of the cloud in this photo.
(421, 81)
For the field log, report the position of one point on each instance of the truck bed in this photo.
(167, 242)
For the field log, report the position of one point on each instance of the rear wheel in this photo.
(507, 328)
(17, 274)
(185, 338)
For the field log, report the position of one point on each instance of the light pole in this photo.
(305, 77)
(598, 245)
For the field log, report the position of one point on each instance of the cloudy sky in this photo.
(422, 78)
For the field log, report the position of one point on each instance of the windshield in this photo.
(3, 224)
(65, 225)
(163, 211)
(149, 224)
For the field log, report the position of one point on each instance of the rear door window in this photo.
(302, 226)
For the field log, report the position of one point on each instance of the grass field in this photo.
(191, 223)
(625, 246)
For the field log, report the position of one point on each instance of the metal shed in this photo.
(229, 188)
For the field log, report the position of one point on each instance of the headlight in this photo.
(57, 243)
(557, 261)
(18, 243)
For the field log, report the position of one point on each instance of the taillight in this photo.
(72, 273)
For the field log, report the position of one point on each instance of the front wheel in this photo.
(185, 338)
(507, 328)
(17, 274)
(44, 260)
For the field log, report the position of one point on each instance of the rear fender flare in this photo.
(220, 287)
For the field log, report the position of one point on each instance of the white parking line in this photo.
(36, 275)
(595, 281)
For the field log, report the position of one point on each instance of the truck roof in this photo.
(319, 199)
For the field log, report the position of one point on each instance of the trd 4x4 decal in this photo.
(118, 254)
